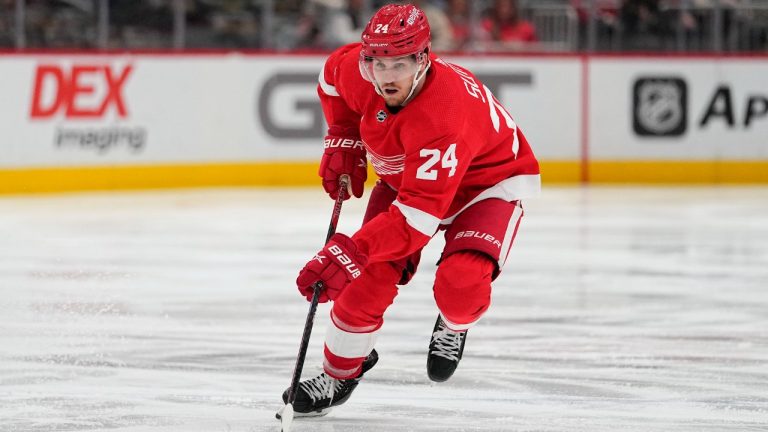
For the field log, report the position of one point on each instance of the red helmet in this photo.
(396, 30)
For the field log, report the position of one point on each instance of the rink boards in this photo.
(84, 121)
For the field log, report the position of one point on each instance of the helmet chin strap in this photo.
(416, 79)
(376, 86)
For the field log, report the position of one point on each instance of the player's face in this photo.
(394, 76)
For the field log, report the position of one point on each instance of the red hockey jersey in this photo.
(452, 145)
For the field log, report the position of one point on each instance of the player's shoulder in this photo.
(341, 70)
(342, 59)
(440, 105)
(454, 77)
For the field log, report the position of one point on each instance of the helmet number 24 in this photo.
(381, 28)
(447, 160)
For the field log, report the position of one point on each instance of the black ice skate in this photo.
(445, 351)
(316, 396)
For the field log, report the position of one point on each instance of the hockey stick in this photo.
(286, 415)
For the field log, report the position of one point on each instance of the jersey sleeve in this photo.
(337, 111)
(389, 236)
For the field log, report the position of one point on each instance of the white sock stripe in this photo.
(344, 373)
(509, 235)
(349, 328)
(349, 345)
(458, 327)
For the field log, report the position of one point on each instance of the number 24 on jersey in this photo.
(428, 170)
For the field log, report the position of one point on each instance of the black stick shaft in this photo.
(318, 287)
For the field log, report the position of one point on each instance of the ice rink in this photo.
(620, 309)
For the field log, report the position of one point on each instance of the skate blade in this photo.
(296, 414)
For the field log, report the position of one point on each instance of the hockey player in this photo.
(449, 158)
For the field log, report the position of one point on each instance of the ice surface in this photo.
(620, 309)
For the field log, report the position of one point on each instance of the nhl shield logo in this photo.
(381, 116)
(660, 106)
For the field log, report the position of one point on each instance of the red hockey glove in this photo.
(336, 265)
(344, 154)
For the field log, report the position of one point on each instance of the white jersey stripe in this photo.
(511, 189)
(492, 108)
(421, 221)
(515, 143)
(327, 88)
(509, 235)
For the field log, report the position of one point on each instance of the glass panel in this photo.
(471, 25)
(146, 24)
(61, 24)
(224, 24)
(7, 12)
(294, 25)
(754, 35)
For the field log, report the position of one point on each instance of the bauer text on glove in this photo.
(336, 265)
(344, 154)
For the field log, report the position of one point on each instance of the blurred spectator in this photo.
(60, 24)
(140, 24)
(7, 27)
(642, 24)
(606, 21)
(308, 27)
(439, 24)
(332, 23)
(504, 28)
(704, 12)
(679, 21)
(651, 25)
(234, 24)
(607, 11)
(198, 26)
(757, 38)
(287, 13)
(458, 16)
(342, 22)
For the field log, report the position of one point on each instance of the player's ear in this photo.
(422, 57)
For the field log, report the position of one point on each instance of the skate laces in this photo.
(446, 342)
(321, 387)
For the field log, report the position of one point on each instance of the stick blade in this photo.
(286, 417)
